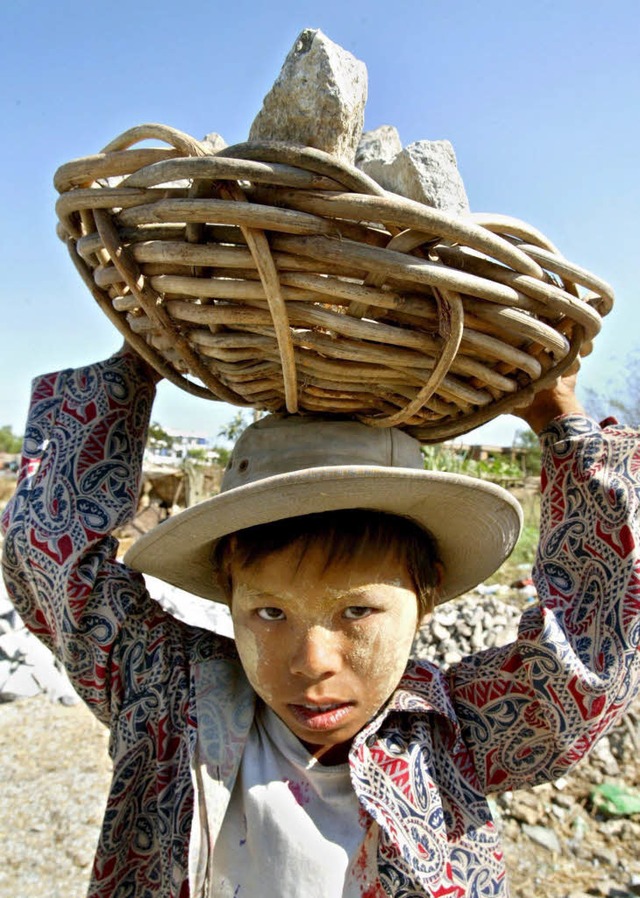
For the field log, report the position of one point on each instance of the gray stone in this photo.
(558, 812)
(35, 653)
(317, 100)
(6, 668)
(215, 142)
(543, 836)
(6, 606)
(448, 616)
(563, 800)
(29, 668)
(478, 637)
(610, 888)
(438, 631)
(381, 145)
(193, 610)
(13, 645)
(580, 829)
(634, 884)
(490, 638)
(51, 677)
(426, 171)
(602, 752)
(525, 813)
(612, 828)
(605, 855)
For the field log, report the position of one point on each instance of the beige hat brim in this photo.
(475, 523)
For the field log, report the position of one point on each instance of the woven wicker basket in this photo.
(273, 276)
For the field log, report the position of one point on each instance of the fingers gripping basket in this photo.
(273, 276)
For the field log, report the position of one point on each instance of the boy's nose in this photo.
(316, 654)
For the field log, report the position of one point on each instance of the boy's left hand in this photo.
(152, 374)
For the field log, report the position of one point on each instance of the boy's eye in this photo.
(270, 614)
(357, 612)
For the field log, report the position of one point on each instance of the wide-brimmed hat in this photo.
(287, 466)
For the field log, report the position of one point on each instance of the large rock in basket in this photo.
(278, 277)
(317, 100)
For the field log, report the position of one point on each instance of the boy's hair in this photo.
(343, 535)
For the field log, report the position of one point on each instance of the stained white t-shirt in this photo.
(294, 828)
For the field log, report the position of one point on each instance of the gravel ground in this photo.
(55, 777)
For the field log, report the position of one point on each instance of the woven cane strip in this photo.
(274, 276)
(265, 266)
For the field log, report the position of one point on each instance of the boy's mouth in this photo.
(325, 716)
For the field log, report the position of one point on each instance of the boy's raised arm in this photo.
(78, 482)
(533, 709)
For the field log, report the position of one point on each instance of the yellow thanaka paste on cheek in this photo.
(381, 648)
(251, 649)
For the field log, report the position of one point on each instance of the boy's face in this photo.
(324, 648)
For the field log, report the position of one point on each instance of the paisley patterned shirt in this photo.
(500, 719)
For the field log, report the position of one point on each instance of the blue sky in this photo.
(540, 101)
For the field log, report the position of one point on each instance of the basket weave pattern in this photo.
(276, 277)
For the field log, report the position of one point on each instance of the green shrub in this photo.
(457, 461)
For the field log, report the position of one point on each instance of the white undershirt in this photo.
(293, 828)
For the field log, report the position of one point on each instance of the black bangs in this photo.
(344, 535)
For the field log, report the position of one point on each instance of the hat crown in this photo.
(281, 444)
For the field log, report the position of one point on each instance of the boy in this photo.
(310, 758)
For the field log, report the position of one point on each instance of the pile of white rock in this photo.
(477, 620)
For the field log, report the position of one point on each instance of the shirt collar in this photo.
(423, 689)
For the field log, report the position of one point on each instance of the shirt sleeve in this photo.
(79, 481)
(531, 710)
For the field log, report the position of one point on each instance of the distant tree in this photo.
(198, 455)
(620, 396)
(527, 439)
(9, 442)
(233, 428)
(223, 454)
(158, 438)
(240, 421)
